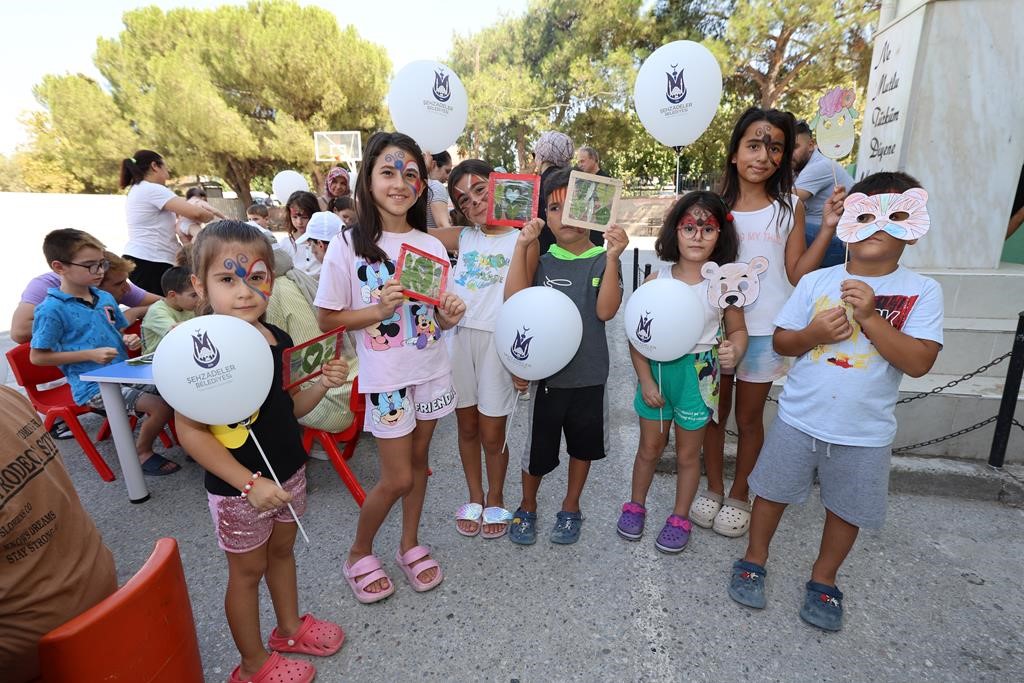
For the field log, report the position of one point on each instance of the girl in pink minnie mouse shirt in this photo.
(404, 369)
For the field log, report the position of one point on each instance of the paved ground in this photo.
(933, 597)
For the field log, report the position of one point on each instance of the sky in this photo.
(59, 37)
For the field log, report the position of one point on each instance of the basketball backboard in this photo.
(336, 146)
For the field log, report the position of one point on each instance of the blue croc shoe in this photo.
(823, 606)
(747, 584)
(523, 528)
(567, 527)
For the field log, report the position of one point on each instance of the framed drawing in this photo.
(305, 361)
(512, 199)
(592, 201)
(423, 276)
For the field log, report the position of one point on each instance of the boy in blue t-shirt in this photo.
(572, 401)
(77, 327)
(855, 331)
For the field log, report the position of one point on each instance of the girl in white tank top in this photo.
(757, 187)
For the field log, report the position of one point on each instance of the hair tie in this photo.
(132, 159)
(728, 217)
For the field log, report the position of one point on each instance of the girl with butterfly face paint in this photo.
(233, 275)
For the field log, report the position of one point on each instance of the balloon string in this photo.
(508, 423)
(277, 481)
(679, 155)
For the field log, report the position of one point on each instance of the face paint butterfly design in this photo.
(904, 216)
(256, 277)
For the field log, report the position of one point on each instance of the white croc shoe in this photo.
(704, 508)
(733, 519)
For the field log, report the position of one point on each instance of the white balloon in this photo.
(215, 369)
(287, 182)
(428, 103)
(538, 332)
(664, 319)
(677, 92)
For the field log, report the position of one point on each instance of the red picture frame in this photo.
(298, 359)
(412, 285)
(503, 210)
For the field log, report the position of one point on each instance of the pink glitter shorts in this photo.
(241, 527)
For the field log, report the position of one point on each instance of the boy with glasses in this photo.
(77, 327)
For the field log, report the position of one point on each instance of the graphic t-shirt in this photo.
(479, 275)
(404, 350)
(579, 278)
(846, 393)
(764, 233)
(66, 323)
(274, 425)
(55, 565)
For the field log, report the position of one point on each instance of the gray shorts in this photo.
(131, 393)
(854, 480)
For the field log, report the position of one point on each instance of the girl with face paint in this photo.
(233, 275)
(486, 395)
(757, 188)
(404, 368)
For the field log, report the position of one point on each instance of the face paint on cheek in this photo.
(264, 283)
(415, 184)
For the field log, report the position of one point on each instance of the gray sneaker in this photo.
(823, 606)
(747, 584)
(567, 527)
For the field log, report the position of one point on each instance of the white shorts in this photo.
(479, 377)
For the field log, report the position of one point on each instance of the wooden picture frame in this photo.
(512, 198)
(423, 276)
(304, 362)
(591, 201)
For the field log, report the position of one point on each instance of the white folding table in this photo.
(110, 378)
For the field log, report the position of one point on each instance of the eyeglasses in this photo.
(94, 267)
(706, 232)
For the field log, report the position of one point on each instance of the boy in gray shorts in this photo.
(854, 332)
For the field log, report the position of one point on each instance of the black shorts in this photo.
(147, 274)
(578, 413)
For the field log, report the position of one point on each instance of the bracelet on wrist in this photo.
(251, 482)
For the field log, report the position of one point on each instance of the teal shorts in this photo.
(689, 386)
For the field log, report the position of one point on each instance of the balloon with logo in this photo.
(428, 103)
(833, 124)
(287, 182)
(538, 332)
(215, 369)
(664, 319)
(677, 92)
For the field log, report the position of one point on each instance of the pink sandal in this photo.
(314, 637)
(412, 574)
(278, 669)
(369, 568)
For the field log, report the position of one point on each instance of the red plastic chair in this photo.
(55, 403)
(136, 329)
(329, 442)
(143, 633)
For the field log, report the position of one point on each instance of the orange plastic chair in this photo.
(329, 442)
(55, 403)
(143, 633)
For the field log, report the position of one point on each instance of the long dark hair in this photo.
(134, 169)
(477, 167)
(370, 226)
(780, 185)
(726, 248)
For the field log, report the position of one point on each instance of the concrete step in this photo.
(972, 342)
(987, 293)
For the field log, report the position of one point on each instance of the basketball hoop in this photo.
(339, 147)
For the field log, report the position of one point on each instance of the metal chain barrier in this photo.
(963, 378)
(947, 437)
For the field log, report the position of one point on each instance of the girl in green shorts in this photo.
(698, 229)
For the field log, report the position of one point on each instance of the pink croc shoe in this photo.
(369, 568)
(412, 573)
(278, 669)
(314, 637)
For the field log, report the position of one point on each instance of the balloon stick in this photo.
(508, 423)
(661, 408)
(277, 481)
(679, 156)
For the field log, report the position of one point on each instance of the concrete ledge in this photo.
(925, 476)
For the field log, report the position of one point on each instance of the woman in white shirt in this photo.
(151, 212)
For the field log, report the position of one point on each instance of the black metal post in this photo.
(1011, 390)
(636, 267)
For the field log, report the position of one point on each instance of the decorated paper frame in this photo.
(592, 201)
(423, 276)
(306, 361)
(512, 198)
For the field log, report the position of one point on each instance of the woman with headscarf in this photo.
(552, 151)
(336, 184)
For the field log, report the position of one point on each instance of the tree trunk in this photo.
(521, 150)
(239, 180)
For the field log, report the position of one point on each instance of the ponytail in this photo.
(134, 169)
